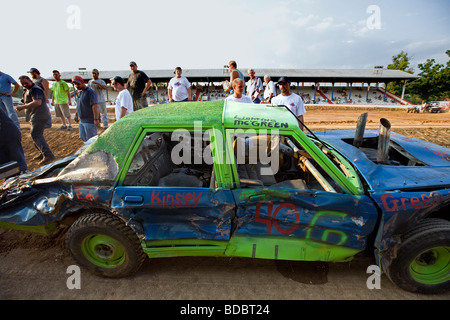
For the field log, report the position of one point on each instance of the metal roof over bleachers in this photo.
(376, 75)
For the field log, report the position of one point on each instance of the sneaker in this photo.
(69, 128)
(39, 157)
(62, 128)
(47, 159)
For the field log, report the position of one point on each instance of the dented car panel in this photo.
(225, 216)
(401, 210)
(316, 216)
(177, 213)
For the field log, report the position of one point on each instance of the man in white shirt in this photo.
(179, 87)
(270, 90)
(124, 101)
(291, 100)
(254, 87)
(238, 96)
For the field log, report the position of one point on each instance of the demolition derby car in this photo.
(242, 180)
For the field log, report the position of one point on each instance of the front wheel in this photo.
(105, 245)
(422, 264)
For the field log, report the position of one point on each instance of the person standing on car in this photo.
(6, 101)
(38, 113)
(99, 86)
(87, 109)
(124, 101)
(138, 84)
(179, 88)
(291, 100)
(234, 73)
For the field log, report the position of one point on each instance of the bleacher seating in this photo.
(323, 95)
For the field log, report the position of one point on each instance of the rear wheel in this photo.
(423, 258)
(105, 245)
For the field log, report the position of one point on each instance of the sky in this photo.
(202, 34)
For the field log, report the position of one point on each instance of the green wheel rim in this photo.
(103, 251)
(431, 266)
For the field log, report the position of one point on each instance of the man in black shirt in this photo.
(138, 84)
(38, 113)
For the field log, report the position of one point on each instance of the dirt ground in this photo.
(35, 267)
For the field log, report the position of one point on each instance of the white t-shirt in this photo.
(124, 100)
(294, 102)
(270, 88)
(243, 99)
(179, 87)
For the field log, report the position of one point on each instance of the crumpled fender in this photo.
(400, 212)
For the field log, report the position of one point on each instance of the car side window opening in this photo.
(264, 160)
(164, 161)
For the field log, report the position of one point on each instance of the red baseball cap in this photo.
(77, 79)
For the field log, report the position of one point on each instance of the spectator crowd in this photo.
(91, 110)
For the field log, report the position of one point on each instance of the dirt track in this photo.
(34, 267)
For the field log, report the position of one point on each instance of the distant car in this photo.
(242, 180)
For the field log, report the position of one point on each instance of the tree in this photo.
(399, 62)
(434, 80)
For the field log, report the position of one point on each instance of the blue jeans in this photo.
(37, 134)
(13, 151)
(87, 130)
(104, 113)
(6, 102)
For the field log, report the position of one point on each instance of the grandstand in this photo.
(316, 86)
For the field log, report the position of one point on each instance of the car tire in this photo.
(105, 245)
(422, 263)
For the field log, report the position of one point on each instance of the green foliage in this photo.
(434, 80)
(401, 62)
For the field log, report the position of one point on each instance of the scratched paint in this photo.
(314, 216)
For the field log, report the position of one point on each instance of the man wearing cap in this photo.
(87, 109)
(124, 102)
(291, 100)
(99, 86)
(6, 101)
(61, 100)
(179, 87)
(44, 85)
(37, 110)
(138, 84)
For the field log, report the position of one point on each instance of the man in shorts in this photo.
(138, 84)
(61, 100)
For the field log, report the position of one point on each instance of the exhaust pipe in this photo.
(383, 141)
(360, 128)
